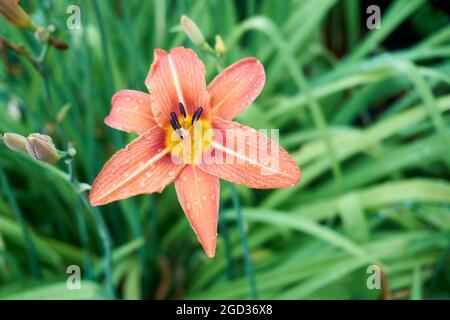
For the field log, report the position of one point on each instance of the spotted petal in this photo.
(235, 88)
(246, 156)
(144, 166)
(131, 112)
(178, 76)
(198, 193)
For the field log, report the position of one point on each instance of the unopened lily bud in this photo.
(41, 147)
(62, 113)
(220, 45)
(15, 142)
(192, 31)
(11, 10)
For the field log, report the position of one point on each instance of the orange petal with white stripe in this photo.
(235, 88)
(246, 156)
(143, 167)
(198, 193)
(131, 112)
(178, 76)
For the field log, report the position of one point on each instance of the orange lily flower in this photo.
(165, 120)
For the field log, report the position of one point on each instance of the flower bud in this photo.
(192, 31)
(11, 10)
(220, 45)
(15, 142)
(62, 113)
(51, 28)
(71, 152)
(41, 147)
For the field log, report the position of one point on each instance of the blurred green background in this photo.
(365, 113)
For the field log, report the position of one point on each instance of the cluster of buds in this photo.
(36, 145)
(44, 35)
(195, 34)
(12, 12)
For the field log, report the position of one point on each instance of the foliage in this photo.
(367, 121)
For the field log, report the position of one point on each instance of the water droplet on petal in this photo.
(188, 205)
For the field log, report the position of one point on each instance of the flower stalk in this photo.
(39, 147)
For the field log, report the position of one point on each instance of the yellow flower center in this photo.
(190, 140)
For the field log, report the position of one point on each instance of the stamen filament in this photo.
(179, 132)
(176, 125)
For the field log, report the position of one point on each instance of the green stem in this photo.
(102, 229)
(43, 54)
(106, 242)
(244, 242)
(35, 267)
(228, 253)
(224, 229)
(82, 226)
(353, 22)
(152, 218)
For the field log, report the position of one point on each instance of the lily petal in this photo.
(235, 88)
(249, 158)
(131, 112)
(178, 76)
(198, 193)
(144, 166)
